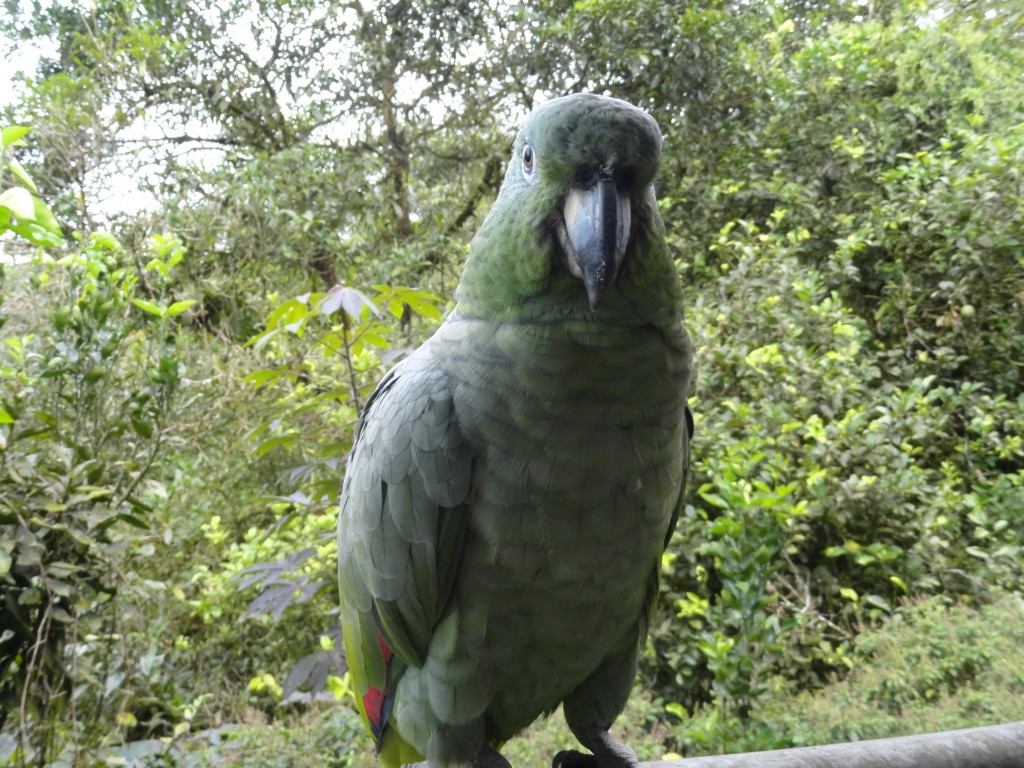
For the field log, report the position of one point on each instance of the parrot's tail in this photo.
(377, 701)
(393, 751)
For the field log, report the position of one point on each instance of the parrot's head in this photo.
(577, 201)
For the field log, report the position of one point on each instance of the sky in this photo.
(22, 58)
(19, 58)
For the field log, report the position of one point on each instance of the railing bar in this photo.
(995, 746)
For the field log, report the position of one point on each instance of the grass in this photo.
(936, 666)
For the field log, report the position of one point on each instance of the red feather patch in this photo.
(377, 701)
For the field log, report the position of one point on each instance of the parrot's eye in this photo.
(527, 160)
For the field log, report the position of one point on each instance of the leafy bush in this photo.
(888, 149)
(857, 433)
(87, 397)
(824, 490)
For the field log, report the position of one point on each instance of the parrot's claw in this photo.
(571, 758)
(608, 753)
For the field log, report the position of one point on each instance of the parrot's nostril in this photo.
(586, 176)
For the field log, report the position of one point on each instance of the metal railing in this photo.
(996, 746)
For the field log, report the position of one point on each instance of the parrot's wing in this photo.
(401, 523)
(654, 583)
(687, 439)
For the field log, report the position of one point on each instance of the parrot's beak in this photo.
(597, 224)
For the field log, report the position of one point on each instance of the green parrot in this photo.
(514, 482)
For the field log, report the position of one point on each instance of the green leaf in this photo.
(288, 313)
(44, 217)
(265, 376)
(723, 526)
(138, 505)
(282, 441)
(259, 340)
(677, 709)
(879, 602)
(12, 134)
(371, 335)
(19, 201)
(149, 306)
(715, 500)
(142, 427)
(105, 240)
(178, 307)
(132, 520)
(34, 233)
(5, 417)
(977, 552)
(95, 374)
(22, 175)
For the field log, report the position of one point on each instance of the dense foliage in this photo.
(229, 218)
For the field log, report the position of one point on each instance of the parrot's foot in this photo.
(607, 752)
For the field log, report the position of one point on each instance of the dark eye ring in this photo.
(527, 159)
